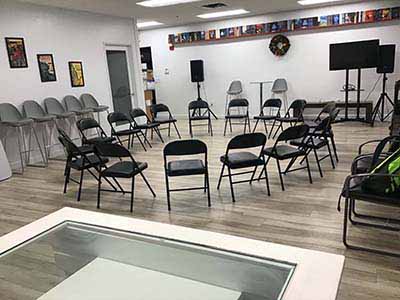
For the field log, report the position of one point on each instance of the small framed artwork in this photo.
(16, 52)
(76, 74)
(46, 67)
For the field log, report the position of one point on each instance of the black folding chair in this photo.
(242, 113)
(118, 118)
(317, 139)
(199, 111)
(274, 107)
(243, 159)
(162, 115)
(80, 159)
(282, 151)
(325, 111)
(147, 125)
(293, 115)
(121, 169)
(187, 167)
(90, 124)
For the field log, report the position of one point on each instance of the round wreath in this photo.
(279, 45)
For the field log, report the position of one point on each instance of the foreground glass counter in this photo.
(74, 254)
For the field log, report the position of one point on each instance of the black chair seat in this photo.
(98, 140)
(315, 143)
(284, 152)
(357, 193)
(239, 160)
(288, 119)
(265, 118)
(164, 120)
(238, 116)
(124, 169)
(147, 126)
(186, 167)
(126, 132)
(83, 164)
(197, 118)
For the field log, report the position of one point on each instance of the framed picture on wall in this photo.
(46, 67)
(16, 52)
(76, 74)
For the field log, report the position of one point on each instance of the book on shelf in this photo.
(223, 33)
(323, 21)
(250, 29)
(395, 12)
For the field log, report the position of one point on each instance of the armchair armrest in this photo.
(360, 148)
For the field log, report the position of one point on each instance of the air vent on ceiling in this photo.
(214, 5)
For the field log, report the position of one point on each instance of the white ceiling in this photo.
(174, 15)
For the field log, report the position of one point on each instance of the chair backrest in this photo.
(155, 109)
(53, 106)
(298, 104)
(70, 147)
(334, 114)
(293, 133)
(273, 103)
(279, 86)
(137, 112)
(185, 147)
(249, 140)
(86, 124)
(72, 103)
(235, 88)
(115, 117)
(9, 113)
(89, 101)
(238, 103)
(32, 109)
(112, 150)
(324, 125)
(198, 104)
(329, 107)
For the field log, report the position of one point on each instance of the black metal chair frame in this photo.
(149, 125)
(86, 124)
(271, 104)
(156, 109)
(286, 136)
(297, 107)
(350, 213)
(120, 152)
(186, 148)
(131, 132)
(196, 114)
(245, 141)
(237, 104)
(75, 152)
(321, 132)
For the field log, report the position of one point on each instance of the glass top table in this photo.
(74, 254)
(73, 259)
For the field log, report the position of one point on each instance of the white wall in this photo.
(306, 65)
(68, 35)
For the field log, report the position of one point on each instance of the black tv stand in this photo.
(347, 91)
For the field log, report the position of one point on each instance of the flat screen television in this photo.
(354, 55)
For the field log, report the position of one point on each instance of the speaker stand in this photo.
(199, 99)
(379, 110)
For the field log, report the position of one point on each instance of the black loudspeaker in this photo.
(197, 70)
(386, 59)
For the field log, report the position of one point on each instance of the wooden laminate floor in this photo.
(304, 215)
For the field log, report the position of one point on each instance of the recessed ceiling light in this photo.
(225, 13)
(159, 3)
(311, 2)
(148, 24)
